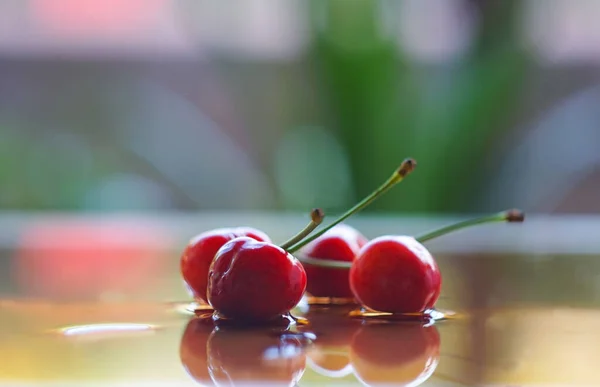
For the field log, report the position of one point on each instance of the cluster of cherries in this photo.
(244, 276)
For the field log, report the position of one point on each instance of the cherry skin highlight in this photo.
(254, 281)
(395, 274)
(199, 254)
(341, 243)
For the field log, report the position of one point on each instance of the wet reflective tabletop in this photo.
(120, 317)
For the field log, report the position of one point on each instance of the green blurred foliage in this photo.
(385, 108)
(324, 130)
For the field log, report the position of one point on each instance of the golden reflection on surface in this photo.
(113, 342)
(559, 345)
(35, 348)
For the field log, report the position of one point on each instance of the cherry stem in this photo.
(399, 174)
(504, 216)
(316, 216)
(329, 263)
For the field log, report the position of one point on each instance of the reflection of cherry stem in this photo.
(399, 174)
(504, 216)
(316, 216)
(510, 216)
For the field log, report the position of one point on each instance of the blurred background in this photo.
(126, 127)
(194, 105)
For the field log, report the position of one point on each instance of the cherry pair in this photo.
(390, 273)
(242, 274)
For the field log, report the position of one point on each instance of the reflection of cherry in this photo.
(341, 243)
(395, 354)
(332, 325)
(192, 350)
(230, 355)
(329, 355)
(244, 356)
(200, 251)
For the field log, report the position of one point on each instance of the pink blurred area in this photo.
(78, 260)
(92, 17)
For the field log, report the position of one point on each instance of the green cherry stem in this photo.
(330, 263)
(316, 218)
(510, 216)
(399, 174)
(504, 216)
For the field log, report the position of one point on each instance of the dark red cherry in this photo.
(199, 253)
(395, 354)
(254, 281)
(341, 243)
(395, 274)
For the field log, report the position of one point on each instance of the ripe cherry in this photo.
(341, 243)
(395, 274)
(395, 355)
(254, 281)
(199, 253)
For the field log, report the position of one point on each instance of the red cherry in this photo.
(199, 253)
(395, 354)
(341, 243)
(395, 274)
(254, 281)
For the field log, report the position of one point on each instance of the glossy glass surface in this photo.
(526, 313)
